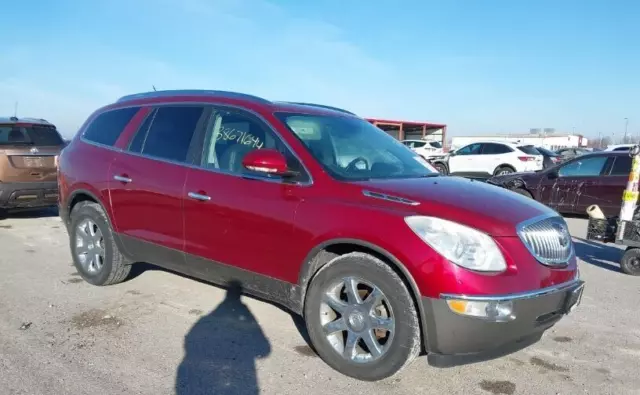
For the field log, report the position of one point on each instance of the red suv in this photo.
(317, 210)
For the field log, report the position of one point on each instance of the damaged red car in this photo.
(315, 209)
(569, 188)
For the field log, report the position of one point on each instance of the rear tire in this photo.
(630, 262)
(95, 253)
(391, 349)
(503, 170)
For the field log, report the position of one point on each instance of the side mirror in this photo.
(266, 161)
(452, 153)
(553, 174)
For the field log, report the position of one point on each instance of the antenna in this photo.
(15, 110)
(154, 88)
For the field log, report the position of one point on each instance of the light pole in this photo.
(626, 127)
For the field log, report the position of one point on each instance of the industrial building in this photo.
(549, 139)
(412, 130)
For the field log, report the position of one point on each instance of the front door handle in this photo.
(124, 179)
(198, 196)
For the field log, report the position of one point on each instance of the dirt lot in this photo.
(160, 333)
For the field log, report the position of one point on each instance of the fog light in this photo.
(498, 311)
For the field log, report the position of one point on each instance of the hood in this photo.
(489, 208)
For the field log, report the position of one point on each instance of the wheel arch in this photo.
(84, 195)
(323, 253)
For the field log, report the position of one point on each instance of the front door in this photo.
(560, 190)
(235, 219)
(147, 184)
(606, 191)
(465, 160)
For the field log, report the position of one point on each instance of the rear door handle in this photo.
(198, 196)
(124, 179)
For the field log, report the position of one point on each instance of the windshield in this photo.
(435, 144)
(42, 135)
(546, 152)
(352, 149)
(529, 149)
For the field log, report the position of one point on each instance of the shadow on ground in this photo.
(29, 213)
(221, 350)
(597, 254)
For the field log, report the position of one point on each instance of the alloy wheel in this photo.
(357, 320)
(90, 246)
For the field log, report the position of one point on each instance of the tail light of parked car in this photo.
(527, 158)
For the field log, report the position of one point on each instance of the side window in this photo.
(419, 144)
(495, 149)
(586, 167)
(622, 149)
(167, 132)
(621, 166)
(230, 135)
(106, 127)
(471, 149)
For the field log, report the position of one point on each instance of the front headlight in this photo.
(460, 244)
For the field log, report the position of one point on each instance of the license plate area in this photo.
(573, 299)
(34, 162)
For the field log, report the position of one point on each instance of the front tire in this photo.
(361, 318)
(630, 263)
(442, 169)
(95, 253)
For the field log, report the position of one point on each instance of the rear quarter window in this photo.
(529, 149)
(107, 127)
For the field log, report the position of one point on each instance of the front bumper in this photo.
(28, 194)
(455, 339)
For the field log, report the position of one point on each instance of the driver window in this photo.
(585, 167)
(471, 149)
(230, 135)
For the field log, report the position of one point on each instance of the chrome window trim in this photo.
(576, 282)
(197, 167)
(547, 262)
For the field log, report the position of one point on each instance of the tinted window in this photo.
(529, 149)
(435, 144)
(495, 149)
(621, 166)
(622, 149)
(29, 135)
(471, 149)
(106, 127)
(585, 167)
(167, 132)
(419, 144)
(230, 135)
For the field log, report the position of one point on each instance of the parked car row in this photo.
(320, 211)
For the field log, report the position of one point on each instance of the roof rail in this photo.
(319, 106)
(191, 92)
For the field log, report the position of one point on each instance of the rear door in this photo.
(493, 155)
(28, 151)
(147, 184)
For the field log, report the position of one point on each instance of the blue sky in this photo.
(479, 66)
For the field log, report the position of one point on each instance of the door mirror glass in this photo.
(266, 161)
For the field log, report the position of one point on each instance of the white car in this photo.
(483, 159)
(619, 147)
(424, 148)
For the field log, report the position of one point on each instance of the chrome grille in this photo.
(548, 239)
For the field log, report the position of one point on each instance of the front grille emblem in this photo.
(34, 150)
(563, 234)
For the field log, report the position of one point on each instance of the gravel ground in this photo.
(160, 333)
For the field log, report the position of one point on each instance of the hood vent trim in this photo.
(390, 198)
